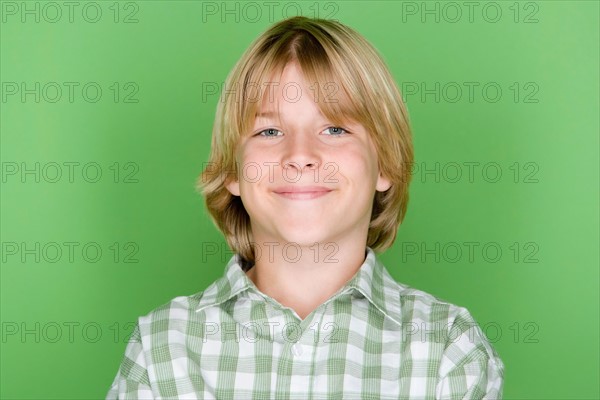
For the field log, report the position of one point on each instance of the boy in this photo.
(312, 146)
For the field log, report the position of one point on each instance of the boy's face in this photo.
(302, 180)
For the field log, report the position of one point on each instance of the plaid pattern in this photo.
(373, 339)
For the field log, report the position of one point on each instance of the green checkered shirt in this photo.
(373, 339)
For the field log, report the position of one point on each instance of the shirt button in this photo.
(297, 349)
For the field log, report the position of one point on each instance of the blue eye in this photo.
(336, 131)
(269, 132)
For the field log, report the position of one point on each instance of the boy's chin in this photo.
(305, 237)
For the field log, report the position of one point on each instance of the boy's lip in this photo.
(302, 192)
(301, 189)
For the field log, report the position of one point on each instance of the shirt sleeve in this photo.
(470, 367)
(132, 380)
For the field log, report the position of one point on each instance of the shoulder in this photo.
(179, 311)
(429, 317)
(428, 320)
(419, 306)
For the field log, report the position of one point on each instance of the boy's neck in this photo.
(302, 278)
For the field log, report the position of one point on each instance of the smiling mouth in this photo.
(302, 193)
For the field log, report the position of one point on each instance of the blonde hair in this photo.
(327, 52)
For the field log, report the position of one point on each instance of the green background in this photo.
(65, 319)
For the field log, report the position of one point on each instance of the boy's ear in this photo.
(233, 186)
(383, 183)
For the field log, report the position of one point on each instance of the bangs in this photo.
(328, 81)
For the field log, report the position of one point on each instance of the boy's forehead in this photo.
(283, 87)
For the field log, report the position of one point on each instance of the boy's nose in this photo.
(300, 152)
(300, 166)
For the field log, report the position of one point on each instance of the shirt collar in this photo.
(372, 281)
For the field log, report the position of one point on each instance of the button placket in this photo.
(297, 349)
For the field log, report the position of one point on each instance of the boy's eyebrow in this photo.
(267, 114)
(271, 114)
